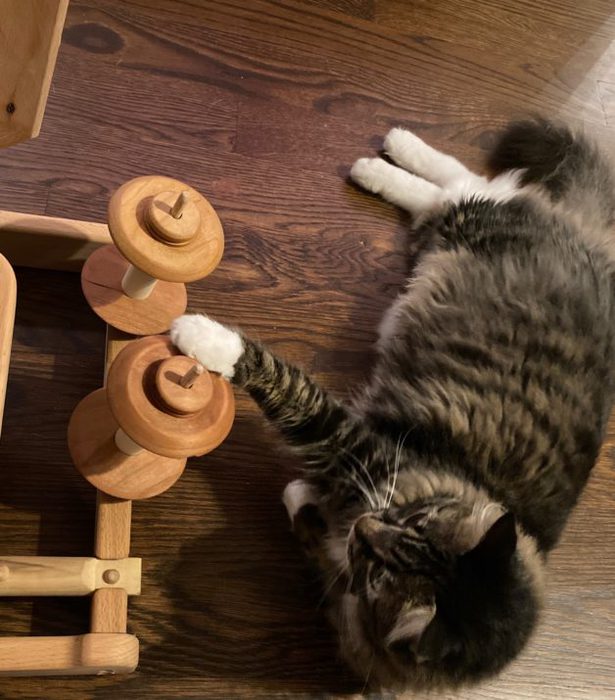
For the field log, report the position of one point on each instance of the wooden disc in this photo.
(131, 230)
(101, 281)
(177, 398)
(139, 409)
(91, 430)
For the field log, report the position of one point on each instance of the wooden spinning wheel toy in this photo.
(130, 439)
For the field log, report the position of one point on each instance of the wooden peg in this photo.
(180, 203)
(187, 381)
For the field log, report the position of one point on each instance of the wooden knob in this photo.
(176, 241)
(173, 218)
(156, 411)
(171, 377)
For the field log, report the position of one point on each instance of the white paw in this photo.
(399, 144)
(215, 346)
(297, 494)
(400, 140)
(370, 173)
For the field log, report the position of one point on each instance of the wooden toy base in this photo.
(101, 281)
(83, 654)
(91, 432)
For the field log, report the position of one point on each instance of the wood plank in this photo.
(29, 41)
(8, 295)
(51, 243)
(88, 654)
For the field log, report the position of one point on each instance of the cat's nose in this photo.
(373, 537)
(370, 534)
(367, 527)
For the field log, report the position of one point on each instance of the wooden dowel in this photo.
(113, 518)
(66, 576)
(109, 611)
(126, 444)
(137, 284)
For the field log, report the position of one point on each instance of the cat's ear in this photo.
(498, 543)
(410, 627)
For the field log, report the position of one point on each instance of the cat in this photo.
(431, 501)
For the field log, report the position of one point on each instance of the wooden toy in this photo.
(29, 42)
(165, 234)
(131, 438)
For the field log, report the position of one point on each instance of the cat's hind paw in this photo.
(371, 174)
(215, 346)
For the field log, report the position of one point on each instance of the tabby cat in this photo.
(432, 501)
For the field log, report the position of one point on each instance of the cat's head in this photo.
(442, 591)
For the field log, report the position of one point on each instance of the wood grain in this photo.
(109, 611)
(113, 526)
(31, 31)
(262, 106)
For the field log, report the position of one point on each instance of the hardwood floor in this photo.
(262, 106)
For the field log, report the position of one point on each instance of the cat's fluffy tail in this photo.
(576, 176)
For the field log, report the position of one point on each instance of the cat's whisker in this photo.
(363, 490)
(389, 480)
(369, 673)
(329, 587)
(360, 483)
(400, 446)
(365, 471)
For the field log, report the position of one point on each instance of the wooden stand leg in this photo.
(109, 610)
(112, 527)
(84, 654)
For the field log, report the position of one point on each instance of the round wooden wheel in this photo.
(101, 281)
(148, 400)
(166, 229)
(91, 432)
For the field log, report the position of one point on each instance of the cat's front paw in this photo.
(215, 346)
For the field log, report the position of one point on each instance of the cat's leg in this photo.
(455, 180)
(412, 193)
(413, 154)
(314, 423)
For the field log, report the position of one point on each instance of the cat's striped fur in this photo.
(435, 497)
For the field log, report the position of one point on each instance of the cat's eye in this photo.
(416, 521)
